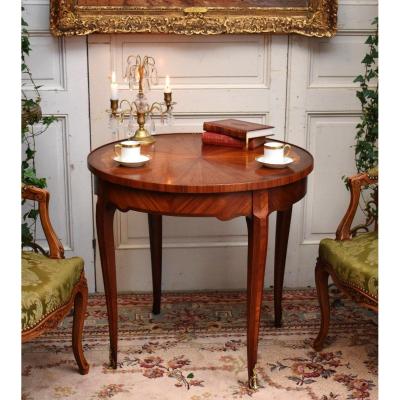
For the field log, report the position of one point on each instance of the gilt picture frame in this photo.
(194, 17)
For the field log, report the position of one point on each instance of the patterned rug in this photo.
(196, 350)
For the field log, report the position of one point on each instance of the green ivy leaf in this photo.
(25, 45)
(368, 59)
(24, 164)
(190, 376)
(26, 235)
(33, 213)
(48, 120)
(29, 177)
(361, 97)
(29, 153)
(370, 40)
(28, 103)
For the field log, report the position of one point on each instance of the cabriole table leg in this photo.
(258, 232)
(104, 223)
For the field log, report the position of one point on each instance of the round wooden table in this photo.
(186, 178)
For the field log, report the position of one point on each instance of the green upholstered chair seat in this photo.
(355, 261)
(46, 284)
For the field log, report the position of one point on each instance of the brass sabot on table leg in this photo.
(253, 380)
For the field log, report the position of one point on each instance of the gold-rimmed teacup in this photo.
(127, 151)
(275, 152)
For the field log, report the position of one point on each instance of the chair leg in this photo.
(321, 281)
(80, 304)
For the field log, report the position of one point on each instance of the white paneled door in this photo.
(302, 86)
(60, 66)
(213, 77)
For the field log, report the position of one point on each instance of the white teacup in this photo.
(127, 151)
(275, 152)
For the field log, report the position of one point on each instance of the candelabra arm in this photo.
(129, 106)
(156, 106)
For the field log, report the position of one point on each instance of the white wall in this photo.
(302, 86)
(60, 66)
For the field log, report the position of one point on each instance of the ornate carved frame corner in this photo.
(68, 17)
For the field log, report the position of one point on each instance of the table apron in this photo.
(283, 197)
(223, 206)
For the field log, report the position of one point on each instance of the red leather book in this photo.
(218, 139)
(238, 129)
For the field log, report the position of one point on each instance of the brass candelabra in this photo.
(141, 72)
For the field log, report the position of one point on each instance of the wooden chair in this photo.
(52, 285)
(351, 259)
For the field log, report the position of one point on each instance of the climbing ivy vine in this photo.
(366, 147)
(33, 124)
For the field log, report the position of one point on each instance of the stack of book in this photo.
(235, 133)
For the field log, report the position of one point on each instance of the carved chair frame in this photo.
(323, 269)
(79, 296)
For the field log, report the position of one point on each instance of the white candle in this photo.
(167, 87)
(114, 87)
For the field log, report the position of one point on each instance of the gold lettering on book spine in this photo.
(67, 18)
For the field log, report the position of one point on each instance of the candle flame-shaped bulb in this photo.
(114, 87)
(167, 87)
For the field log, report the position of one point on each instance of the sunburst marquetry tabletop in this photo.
(181, 164)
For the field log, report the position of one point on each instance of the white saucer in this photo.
(141, 160)
(264, 161)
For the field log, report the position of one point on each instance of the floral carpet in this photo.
(196, 350)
